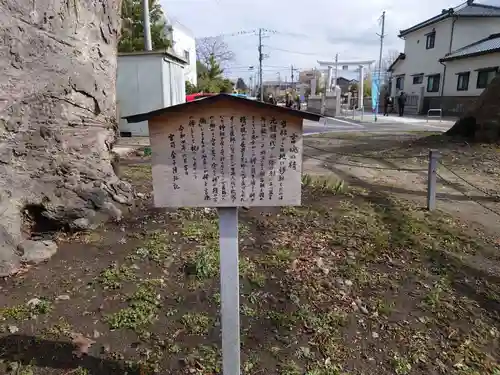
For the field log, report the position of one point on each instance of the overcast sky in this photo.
(305, 30)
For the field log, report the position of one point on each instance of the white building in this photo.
(146, 81)
(184, 45)
(449, 59)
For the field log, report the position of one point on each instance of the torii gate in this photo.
(330, 65)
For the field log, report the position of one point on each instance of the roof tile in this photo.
(490, 44)
(466, 10)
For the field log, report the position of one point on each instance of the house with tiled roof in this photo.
(449, 59)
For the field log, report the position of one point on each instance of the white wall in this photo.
(422, 60)
(468, 65)
(174, 87)
(471, 30)
(138, 89)
(184, 45)
(146, 82)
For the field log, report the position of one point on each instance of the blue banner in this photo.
(375, 93)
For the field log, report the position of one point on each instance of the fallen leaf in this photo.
(33, 302)
(13, 329)
(82, 344)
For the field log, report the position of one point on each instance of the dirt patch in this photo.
(468, 174)
(352, 282)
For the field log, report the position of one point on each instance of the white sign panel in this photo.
(226, 161)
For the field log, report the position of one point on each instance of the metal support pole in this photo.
(230, 290)
(431, 179)
(147, 26)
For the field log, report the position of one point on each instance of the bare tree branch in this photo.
(389, 57)
(216, 46)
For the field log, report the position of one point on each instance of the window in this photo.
(345, 67)
(433, 83)
(418, 79)
(400, 83)
(186, 56)
(463, 81)
(485, 76)
(431, 40)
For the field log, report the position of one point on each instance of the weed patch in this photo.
(142, 310)
(196, 323)
(27, 311)
(113, 276)
(156, 248)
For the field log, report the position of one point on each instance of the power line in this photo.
(223, 35)
(264, 69)
(296, 52)
(264, 66)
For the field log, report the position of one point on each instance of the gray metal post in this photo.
(230, 290)
(431, 180)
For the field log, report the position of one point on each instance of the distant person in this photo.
(387, 103)
(401, 103)
(297, 101)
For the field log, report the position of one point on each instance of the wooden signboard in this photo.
(225, 152)
(226, 158)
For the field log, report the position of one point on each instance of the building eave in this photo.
(167, 54)
(475, 54)
(421, 25)
(449, 14)
(400, 57)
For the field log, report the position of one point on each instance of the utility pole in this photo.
(292, 71)
(336, 69)
(260, 66)
(147, 26)
(315, 81)
(278, 92)
(381, 35)
(250, 69)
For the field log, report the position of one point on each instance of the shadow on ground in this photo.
(29, 350)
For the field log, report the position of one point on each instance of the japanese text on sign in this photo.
(224, 161)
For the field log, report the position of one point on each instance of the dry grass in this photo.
(352, 282)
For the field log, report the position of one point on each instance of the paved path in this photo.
(388, 124)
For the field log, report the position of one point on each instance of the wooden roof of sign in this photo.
(221, 100)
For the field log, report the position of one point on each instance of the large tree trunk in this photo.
(482, 122)
(57, 122)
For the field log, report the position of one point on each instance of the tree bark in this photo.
(57, 120)
(481, 123)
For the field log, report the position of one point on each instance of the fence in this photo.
(433, 177)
